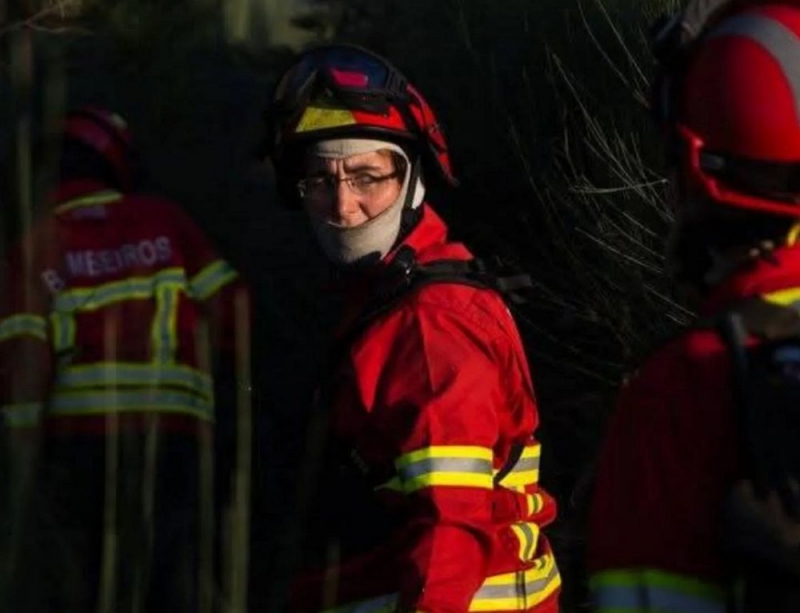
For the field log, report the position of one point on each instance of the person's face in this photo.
(350, 191)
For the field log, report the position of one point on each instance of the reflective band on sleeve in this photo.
(102, 197)
(164, 334)
(114, 374)
(23, 414)
(111, 401)
(446, 466)
(133, 288)
(526, 470)
(653, 590)
(63, 331)
(206, 282)
(527, 534)
(518, 591)
(23, 325)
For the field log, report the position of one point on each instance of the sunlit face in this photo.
(350, 191)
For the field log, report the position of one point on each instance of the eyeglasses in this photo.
(364, 185)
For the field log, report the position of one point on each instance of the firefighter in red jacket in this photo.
(430, 396)
(675, 519)
(108, 315)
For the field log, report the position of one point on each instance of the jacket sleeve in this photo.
(26, 360)
(438, 399)
(213, 282)
(663, 473)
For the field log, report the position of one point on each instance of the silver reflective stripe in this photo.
(92, 298)
(526, 465)
(449, 465)
(23, 325)
(649, 598)
(211, 278)
(111, 374)
(157, 401)
(773, 36)
(380, 604)
(520, 590)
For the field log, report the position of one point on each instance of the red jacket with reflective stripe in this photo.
(669, 460)
(119, 287)
(434, 394)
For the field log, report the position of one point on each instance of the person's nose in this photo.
(346, 206)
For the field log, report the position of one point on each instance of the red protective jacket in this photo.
(111, 295)
(670, 459)
(433, 395)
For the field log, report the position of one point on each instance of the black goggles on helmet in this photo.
(347, 74)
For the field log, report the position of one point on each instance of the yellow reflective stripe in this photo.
(101, 197)
(320, 118)
(206, 282)
(520, 590)
(535, 503)
(516, 591)
(63, 331)
(119, 374)
(22, 414)
(132, 288)
(527, 534)
(649, 589)
(164, 332)
(784, 297)
(446, 465)
(115, 401)
(23, 324)
(526, 470)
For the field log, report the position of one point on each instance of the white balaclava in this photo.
(373, 238)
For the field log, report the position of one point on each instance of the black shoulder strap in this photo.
(771, 322)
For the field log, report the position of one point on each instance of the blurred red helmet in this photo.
(108, 135)
(344, 91)
(735, 116)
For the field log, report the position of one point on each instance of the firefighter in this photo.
(695, 506)
(431, 499)
(109, 313)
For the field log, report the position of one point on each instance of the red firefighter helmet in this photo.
(735, 116)
(341, 91)
(108, 135)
